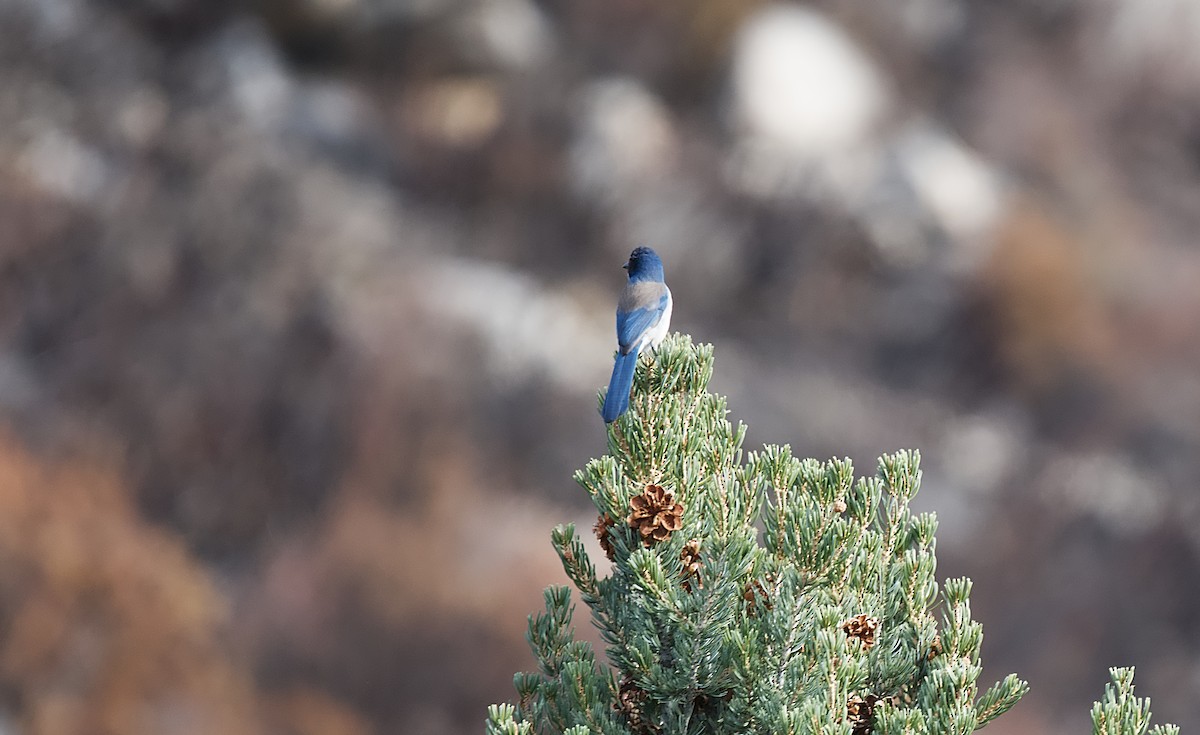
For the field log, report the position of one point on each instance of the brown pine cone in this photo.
(655, 514)
(863, 628)
(690, 556)
(601, 529)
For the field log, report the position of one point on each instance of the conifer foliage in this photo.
(755, 594)
(1121, 713)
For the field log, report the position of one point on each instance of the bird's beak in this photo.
(626, 266)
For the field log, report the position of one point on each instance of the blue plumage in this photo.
(616, 401)
(643, 318)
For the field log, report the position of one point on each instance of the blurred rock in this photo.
(802, 85)
(930, 23)
(981, 452)
(975, 459)
(1125, 498)
(1153, 42)
(508, 34)
(958, 190)
(524, 327)
(931, 204)
(626, 140)
(454, 113)
(255, 78)
(60, 164)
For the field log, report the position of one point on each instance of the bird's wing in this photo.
(640, 307)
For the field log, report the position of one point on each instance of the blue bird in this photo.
(643, 317)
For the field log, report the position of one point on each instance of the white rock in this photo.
(930, 202)
(802, 83)
(512, 33)
(1110, 489)
(1150, 37)
(58, 162)
(258, 79)
(523, 325)
(980, 451)
(625, 138)
(954, 183)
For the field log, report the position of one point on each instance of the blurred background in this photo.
(304, 305)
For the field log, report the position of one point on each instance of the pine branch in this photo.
(1119, 712)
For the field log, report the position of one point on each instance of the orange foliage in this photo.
(312, 712)
(1052, 314)
(108, 625)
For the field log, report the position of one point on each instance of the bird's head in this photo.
(644, 265)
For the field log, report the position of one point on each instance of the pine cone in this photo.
(935, 648)
(690, 556)
(629, 702)
(752, 593)
(601, 529)
(655, 514)
(863, 628)
(861, 713)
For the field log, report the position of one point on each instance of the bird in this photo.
(643, 317)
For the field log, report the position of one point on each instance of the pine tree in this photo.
(770, 595)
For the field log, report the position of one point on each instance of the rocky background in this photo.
(304, 305)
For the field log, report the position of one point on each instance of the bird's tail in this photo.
(616, 401)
